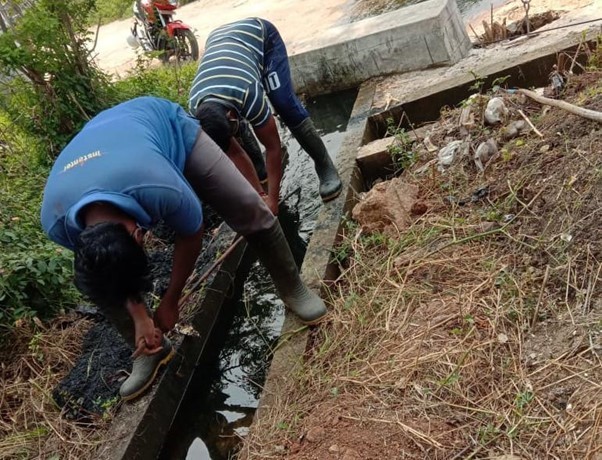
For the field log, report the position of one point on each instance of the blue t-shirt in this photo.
(131, 156)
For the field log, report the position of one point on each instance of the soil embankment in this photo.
(466, 320)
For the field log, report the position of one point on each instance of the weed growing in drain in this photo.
(594, 59)
(106, 405)
(523, 399)
(402, 149)
(343, 250)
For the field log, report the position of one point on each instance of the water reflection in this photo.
(198, 450)
(330, 114)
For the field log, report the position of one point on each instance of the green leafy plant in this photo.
(478, 84)
(401, 149)
(35, 274)
(53, 86)
(523, 399)
(170, 81)
(111, 10)
(594, 59)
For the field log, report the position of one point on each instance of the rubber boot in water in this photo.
(144, 371)
(275, 255)
(310, 141)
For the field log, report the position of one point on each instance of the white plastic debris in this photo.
(496, 111)
(467, 117)
(448, 154)
(429, 144)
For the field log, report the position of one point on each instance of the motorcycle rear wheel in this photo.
(186, 46)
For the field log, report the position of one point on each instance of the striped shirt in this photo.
(230, 71)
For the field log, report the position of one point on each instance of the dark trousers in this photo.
(277, 80)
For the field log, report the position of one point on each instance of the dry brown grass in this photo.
(455, 342)
(34, 360)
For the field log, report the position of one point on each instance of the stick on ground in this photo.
(575, 110)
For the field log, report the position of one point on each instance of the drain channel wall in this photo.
(429, 34)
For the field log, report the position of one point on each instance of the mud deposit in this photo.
(91, 387)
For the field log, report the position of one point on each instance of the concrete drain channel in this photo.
(209, 395)
(225, 388)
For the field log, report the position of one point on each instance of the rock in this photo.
(315, 434)
(496, 111)
(514, 129)
(387, 207)
(350, 454)
(334, 449)
(485, 152)
(479, 193)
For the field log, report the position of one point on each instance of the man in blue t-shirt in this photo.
(244, 65)
(139, 162)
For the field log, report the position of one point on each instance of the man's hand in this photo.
(142, 343)
(272, 204)
(185, 253)
(148, 338)
(167, 314)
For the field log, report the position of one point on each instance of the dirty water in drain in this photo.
(224, 392)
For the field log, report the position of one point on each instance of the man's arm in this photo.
(268, 135)
(186, 252)
(244, 164)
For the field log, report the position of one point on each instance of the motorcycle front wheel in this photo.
(186, 45)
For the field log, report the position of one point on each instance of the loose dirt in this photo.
(476, 331)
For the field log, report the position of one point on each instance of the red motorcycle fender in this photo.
(173, 26)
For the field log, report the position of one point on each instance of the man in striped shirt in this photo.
(245, 64)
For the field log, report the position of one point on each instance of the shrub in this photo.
(168, 81)
(49, 90)
(111, 10)
(35, 274)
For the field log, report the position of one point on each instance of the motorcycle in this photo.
(155, 29)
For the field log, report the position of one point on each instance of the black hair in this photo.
(110, 266)
(214, 121)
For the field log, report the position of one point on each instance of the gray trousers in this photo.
(217, 182)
